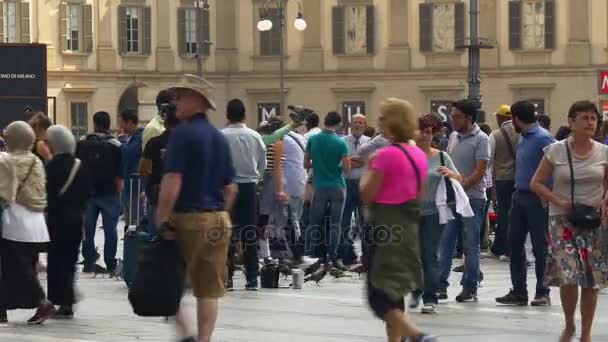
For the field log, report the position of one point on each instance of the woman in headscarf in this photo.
(24, 231)
(68, 190)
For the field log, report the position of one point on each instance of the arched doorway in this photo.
(129, 98)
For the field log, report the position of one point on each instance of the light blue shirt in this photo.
(248, 153)
(354, 145)
(466, 149)
(294, 173)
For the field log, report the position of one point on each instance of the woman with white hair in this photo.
(24, 231)
(68, 190)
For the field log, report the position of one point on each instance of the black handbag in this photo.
(449, 188)
(159, 281)
(582, 216)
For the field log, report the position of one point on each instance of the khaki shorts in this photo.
(205, 238)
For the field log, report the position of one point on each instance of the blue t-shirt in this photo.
(530, 152)
(326, 151)
(201, 154)
(131, 155)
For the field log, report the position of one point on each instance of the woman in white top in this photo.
(24, 231)
(577, 257)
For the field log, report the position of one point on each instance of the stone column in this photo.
(398, 52)
(311, 56)
(106, 53)
(578, 49)
(488, 28)
(226, 47)
(165, 58)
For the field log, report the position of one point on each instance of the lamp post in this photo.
(265, 24)
(201, 5)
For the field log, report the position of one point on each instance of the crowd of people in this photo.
(414, 195)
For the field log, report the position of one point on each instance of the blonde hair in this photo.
(399, 119)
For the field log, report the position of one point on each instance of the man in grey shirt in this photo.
(249, 159)
(469, 149)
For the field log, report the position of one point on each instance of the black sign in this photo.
(350, 109)
(23, 80)
(268, 110)
(443, 108)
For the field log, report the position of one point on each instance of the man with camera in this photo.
(156, 127)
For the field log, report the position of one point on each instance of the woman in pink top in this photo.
(392, 187)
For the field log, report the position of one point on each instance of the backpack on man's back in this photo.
(100, 155)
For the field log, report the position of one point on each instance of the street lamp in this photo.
(201, 5)
(266, 24)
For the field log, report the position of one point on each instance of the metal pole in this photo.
(199, 39)
(474, 76)
(282, 53)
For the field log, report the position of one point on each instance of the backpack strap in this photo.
(71, 177)
(509, 143)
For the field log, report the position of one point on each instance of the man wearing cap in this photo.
(503, 150)
(197, 192)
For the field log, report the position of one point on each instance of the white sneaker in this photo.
(429, 308)
(504, 258)
(307, 262)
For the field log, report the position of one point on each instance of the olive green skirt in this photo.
(395, 265)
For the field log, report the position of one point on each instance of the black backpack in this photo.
(99, 157)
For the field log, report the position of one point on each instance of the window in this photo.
(270, 41)
(356, 21)
(531, 24)
(79, 118)
(133, 29)
(191, 30)
(353, 30)
(441, 26)
(73, 23)
(9, 22)
(350, 109)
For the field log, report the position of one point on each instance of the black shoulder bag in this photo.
(407, 154)
(582, 216)
(449, 188)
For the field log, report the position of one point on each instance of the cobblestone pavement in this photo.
(334, 311)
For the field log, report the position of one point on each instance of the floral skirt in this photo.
(576, 256)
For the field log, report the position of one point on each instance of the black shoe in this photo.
(229, 285)
(513, 298)
(94, 268)
(442, 294)
(467, 295)
(97, 256)
(251, 285)
(44, 312)
(541, 300)
(459, 269)
(64, 312)
(3, 317)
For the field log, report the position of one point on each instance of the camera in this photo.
(167, 109)
(299, 113)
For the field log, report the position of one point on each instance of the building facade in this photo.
(113, 54)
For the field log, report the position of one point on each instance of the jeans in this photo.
(245, 231)
(294, 232)
(430, 238)
(504, 194)
(528, 216)
(109, 207)
(324, 197)
(470, 228)
(352, 205)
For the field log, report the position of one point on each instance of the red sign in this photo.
(603, 83)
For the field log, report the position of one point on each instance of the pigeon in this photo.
(313, 268)
(360, 268)
(317, 276)
(284, 269)
(338, 273)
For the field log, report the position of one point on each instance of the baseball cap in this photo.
(503, 110)
(199, 85)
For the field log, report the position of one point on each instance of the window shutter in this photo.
(25, 22)
(275, 33)
(206, 34)
(147, 30)
(181, 32)
(1, 24)
(338, 30)
(459, 34)
(370, 27)
(122, 29)
(549, 24)
(515, 25)
(87, 28)
(426, 27)
(63, 26)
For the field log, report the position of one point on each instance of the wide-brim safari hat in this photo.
(199, 85)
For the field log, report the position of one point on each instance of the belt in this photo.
(198, 210)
